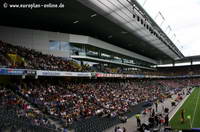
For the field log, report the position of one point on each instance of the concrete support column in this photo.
(173, 63)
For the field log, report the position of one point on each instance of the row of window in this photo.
(78, 50)
(58, 45)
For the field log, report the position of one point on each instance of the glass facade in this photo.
(55, 45)
(64, 46)
(95, 52)
(76, 49)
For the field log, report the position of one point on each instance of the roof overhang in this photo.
(76, 18)
(134, 19)
(188, 59)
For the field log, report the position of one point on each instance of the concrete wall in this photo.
(35, 39)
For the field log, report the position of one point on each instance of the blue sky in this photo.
(183, 16)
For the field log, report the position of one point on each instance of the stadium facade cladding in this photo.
(79, 47)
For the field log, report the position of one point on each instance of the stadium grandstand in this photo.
(92, 66)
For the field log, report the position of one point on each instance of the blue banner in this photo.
(11, 71)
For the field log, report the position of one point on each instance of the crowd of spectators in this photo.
(12, 56)
(15, 109)
(180, 83)
(20, 57)
(76, 100)
(79, 99)
(179, 71)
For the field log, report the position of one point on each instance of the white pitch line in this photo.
(179, 106)
(195, 108)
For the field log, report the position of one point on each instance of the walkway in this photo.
(131, 124)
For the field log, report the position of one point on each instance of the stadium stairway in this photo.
(58, 126)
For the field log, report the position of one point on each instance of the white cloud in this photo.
(184, 19)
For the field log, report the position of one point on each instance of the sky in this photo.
(183, 16)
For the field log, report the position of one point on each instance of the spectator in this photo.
(166, 120)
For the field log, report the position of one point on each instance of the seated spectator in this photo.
(18, 110)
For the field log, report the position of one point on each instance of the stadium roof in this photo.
(189, 59)
(115, 25)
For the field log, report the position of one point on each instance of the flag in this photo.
(13, 58)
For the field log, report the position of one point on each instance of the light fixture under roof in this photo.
(93, 15)
(124, 32)
(75, 22)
